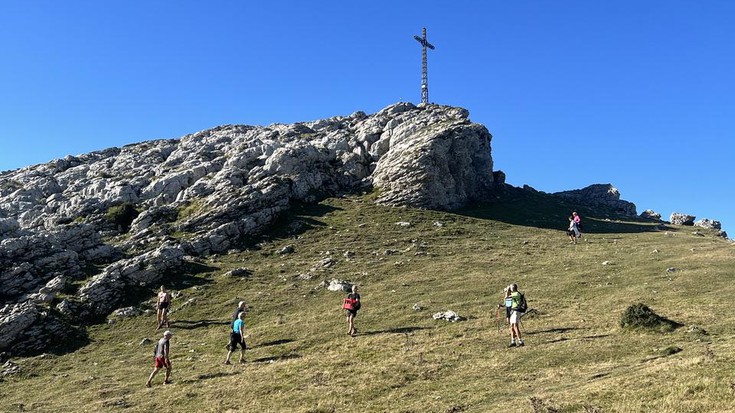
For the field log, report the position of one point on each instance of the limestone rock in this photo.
(448, 316)
(708, 223)
(603, 196)
(682, 219)
(338, 285)
(651, 214)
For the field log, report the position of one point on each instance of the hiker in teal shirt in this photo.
(237, 337)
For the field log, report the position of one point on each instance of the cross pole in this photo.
(424, 73)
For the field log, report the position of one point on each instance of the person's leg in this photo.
(150, 378)
(229, 353)
(242, 354)
(165, 318)
(349, 322)
(159, 317)
(168, 374)
(519, 341)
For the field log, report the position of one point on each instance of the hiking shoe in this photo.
(148, 384)
(520, 344)
(512, 345)
(228, 362)
(167, 382)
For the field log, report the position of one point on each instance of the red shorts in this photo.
(161, 362)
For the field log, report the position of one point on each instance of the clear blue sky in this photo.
(637, 94)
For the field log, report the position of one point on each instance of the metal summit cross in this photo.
(424, 75)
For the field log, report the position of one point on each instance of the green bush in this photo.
(122, 215)
(640, 316)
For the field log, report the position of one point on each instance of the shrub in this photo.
(122, 215)
(640, 316)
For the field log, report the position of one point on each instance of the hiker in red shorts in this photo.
(161, 359)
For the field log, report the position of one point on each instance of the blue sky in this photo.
(637, 94)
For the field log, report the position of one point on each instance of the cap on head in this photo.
(168, 333)
(241, 304)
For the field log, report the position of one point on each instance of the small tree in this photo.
(122, 215)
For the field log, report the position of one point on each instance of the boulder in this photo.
(448, 316)
(682, 219)
(708, 223)
(651, 214)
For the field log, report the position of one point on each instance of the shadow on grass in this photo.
(273, 359)
(553, 330)
(398, 330)
(208, 376)
(192, 324)
(541, 210)
(276, 342)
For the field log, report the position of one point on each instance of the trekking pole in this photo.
(497, 317)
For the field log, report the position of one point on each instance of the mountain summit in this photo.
(92, 228)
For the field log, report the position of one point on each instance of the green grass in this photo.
(577, 358)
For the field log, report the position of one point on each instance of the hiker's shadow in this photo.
(192, 324)
(553, 330)
(210, 376)
(272, 359)
(397, 330)
(276, 342)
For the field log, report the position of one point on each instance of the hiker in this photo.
(235, 315)
(164, 300)
(508, 300)
(578, 220)
(351, 305)
(573, 231)
(161, 359)
(237, 336)
(515, 317)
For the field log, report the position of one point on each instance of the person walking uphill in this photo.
(573, 231)
(351, 304)
(237, 336)
(516, 312)
(578, 220)
(161, 359)
(162, 304)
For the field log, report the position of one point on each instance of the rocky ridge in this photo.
(78, 234)
(122, 218)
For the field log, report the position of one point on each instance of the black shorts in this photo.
(163, 305)
(353, 313)
(235, 340)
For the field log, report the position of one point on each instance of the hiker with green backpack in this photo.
(518, 307)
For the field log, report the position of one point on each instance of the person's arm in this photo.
(165, 351)
(242, 333)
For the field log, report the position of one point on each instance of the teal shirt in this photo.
(238, 324)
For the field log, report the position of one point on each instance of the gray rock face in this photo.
(218, 186)
(651, 214)
(682, 219)
(603, 196)
(438, 160)
(708, 223)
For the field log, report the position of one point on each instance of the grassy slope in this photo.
(577, 359)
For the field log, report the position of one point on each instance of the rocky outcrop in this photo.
(601, 196)
(439, 160)
(682, 219)
(708, 223)
(651, 214)
(203, 194)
